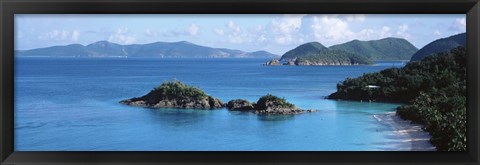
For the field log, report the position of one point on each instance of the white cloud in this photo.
(60, 35)
(234, 33)
(258, 28)
(403, 31)
(235, 29)
(294, 29)
(366, 33)
(151, 32)
(288, 31)
(262, 38)
(192, 30)
(385, 32)
(335, 29)
(237, 35)
(219, 31)
(437, 33)
(372, 33)
(75, 35)
(459, 25)
(121, 36)
(287, 23)
(331, 27)
(461, 22)
(236, 39)
(285, 30)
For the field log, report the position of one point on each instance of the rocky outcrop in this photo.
(273, 62)
(239, 105)
(283, 111)
(267, 104)
(175, 95)
(316, 63)
(290, 62)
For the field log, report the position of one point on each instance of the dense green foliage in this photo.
(361, 52)
(383, 49)
(443, 112)
(334, 57)
(433, 89)
(175, 94)
(176, 90)
(239, 104)
(307, 49)
(441, 45)
(270, 100)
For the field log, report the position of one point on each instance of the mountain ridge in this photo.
(314, 53)
(440, 45)
(305, 49)
(156, 49)
(390, 48)
(354, 52)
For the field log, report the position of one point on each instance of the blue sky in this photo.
(275, 33)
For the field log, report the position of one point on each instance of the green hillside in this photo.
(332, 57)
(441, 45)
(181, 49)
(306, 49)
(383, 49)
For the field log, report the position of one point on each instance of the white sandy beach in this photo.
(412, 137)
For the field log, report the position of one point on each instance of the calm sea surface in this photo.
(71, 104)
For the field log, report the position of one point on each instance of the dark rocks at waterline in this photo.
(270, 104)
(283, 111)
(323, 63)
(239, 105)
(290, 62)
(205, 103)
(175, 95)
(273, 62)
(267, 104)
(303, 62)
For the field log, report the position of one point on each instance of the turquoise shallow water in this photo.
(71, 104)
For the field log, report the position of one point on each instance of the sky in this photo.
(276, 33)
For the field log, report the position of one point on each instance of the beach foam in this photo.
(414, 138)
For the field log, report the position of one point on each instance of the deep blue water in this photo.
(71, 104)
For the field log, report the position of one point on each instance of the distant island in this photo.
(175, 94)
(181, 49)
(351, 53)
(433, 90)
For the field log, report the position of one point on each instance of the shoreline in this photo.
(416, 139)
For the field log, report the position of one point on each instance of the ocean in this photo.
(71, 104)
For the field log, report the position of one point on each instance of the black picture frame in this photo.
(10, 7)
